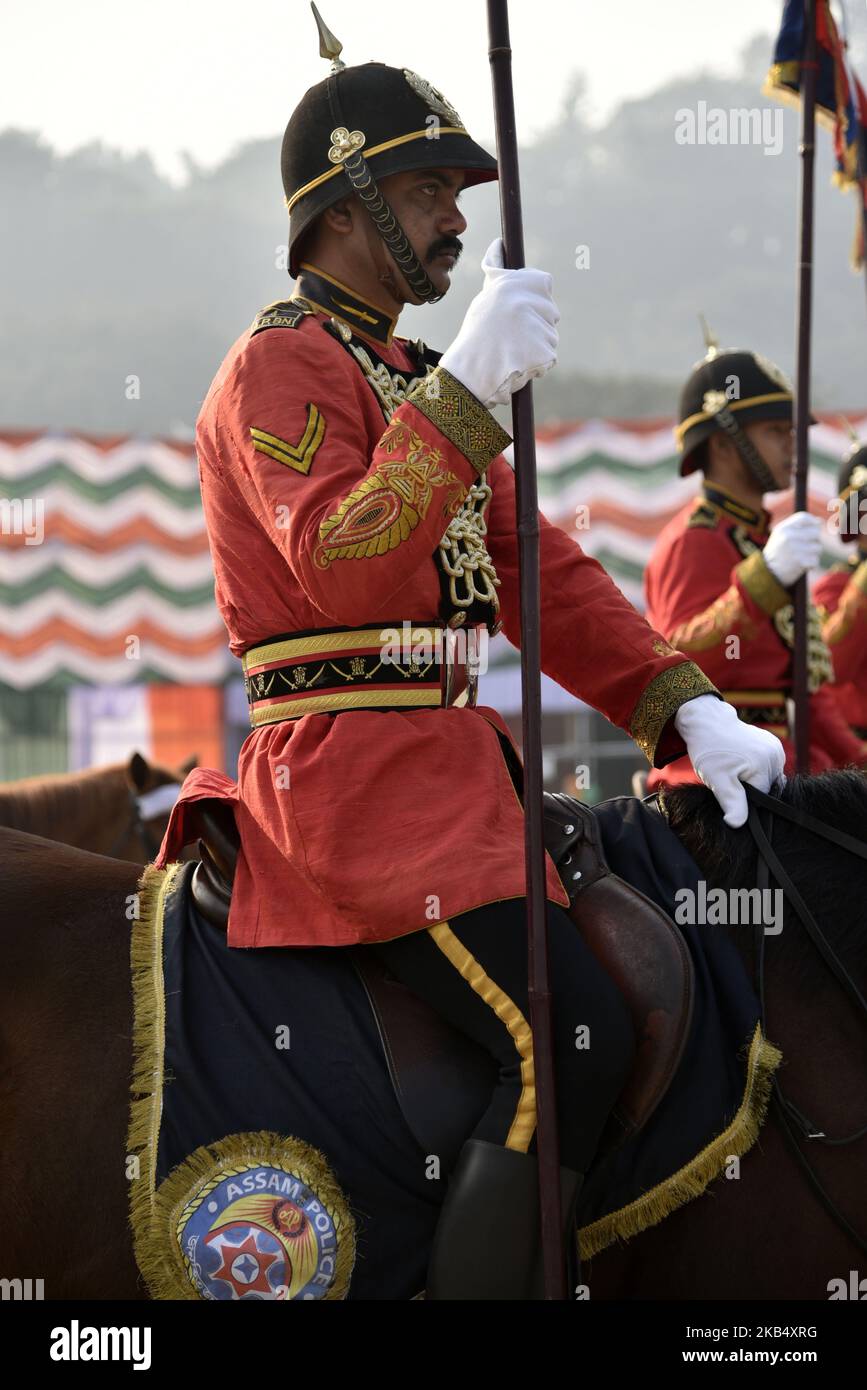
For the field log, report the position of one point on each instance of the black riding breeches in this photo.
(473, 971)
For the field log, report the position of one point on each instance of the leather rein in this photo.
(770, 868)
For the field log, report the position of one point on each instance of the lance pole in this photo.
(527, 515)
(807, 151)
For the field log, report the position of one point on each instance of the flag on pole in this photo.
(860, 185)
(841, 102)
(835, 100)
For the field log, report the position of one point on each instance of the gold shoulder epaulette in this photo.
(703, 515)
(285, 313)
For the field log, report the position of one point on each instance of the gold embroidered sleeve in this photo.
(386, 507)
(851, 609)
(761, 585)
(714, 624)
(461, 417)
(663, 698)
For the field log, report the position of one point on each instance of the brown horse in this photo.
(107, 810)
(65, 1006)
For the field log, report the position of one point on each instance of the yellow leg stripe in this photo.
(524, 1124)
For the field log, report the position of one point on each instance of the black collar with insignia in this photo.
(726, 502)
(338, 299)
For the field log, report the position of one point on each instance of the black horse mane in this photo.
(832, 881)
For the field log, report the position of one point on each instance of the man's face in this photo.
(425, 203)
(775, 441)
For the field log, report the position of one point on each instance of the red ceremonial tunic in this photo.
(369, 824)
(841, 597)
(711, 594)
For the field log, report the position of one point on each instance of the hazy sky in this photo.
(203, 75)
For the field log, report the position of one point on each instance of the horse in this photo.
(120, 809)
(66, 1011)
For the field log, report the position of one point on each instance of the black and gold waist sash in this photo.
(380, 666)
(765, 707)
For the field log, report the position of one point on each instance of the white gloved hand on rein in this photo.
(793, 547)
(508, 335)
(725, 752)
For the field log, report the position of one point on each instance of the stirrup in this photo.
(487, 1244)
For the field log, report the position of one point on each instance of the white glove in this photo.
(508, 334)
(724, 750)
(793, 547)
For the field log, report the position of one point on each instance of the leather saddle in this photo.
(442, 1079)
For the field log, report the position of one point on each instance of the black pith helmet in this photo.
(751, 386)
(391, 117)
(852, 476)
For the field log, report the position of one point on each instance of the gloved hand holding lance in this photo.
(500, 54)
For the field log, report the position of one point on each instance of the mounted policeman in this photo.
(353, 482)
(719, 579)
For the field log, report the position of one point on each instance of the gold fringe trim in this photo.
(692, 1180)
(790, 71)
(154, 1215)
(146, 953)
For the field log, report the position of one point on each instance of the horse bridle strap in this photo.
(799, 817)
(769, 865)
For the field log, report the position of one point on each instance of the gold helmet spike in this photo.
(711, 341)
(329, 46)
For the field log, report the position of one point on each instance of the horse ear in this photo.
(138, 771)
(192, 761)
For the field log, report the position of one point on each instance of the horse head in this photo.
(153, 789)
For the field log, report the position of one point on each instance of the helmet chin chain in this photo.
(391, 233)
(747, 450)
(384, 272)
(346, 151)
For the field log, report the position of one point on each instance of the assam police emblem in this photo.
(262, 1219)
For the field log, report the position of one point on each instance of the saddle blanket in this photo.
(275, 1161)
(274, 1158)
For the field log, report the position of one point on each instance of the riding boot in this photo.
(487, 1244)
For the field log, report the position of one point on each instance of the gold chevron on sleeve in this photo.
(298, 456)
